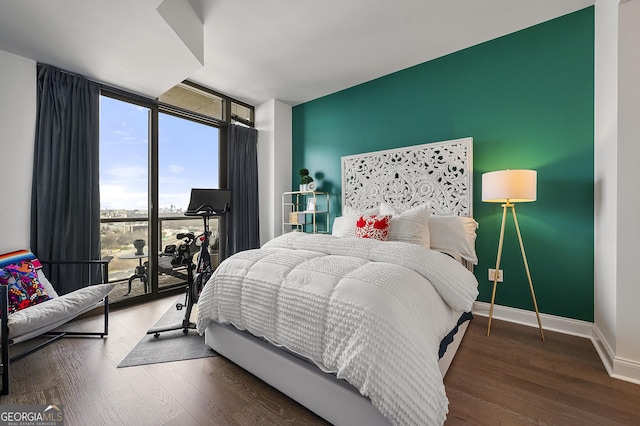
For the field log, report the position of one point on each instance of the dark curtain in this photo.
(65, 198)
(243, 231)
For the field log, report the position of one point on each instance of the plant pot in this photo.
(139, 245)
(304, 187)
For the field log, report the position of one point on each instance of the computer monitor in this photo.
(205, 201)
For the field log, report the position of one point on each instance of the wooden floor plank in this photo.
(151, 393)
(509, 378)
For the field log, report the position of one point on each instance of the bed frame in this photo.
(440, 173)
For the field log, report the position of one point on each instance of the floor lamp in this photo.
(509, 187)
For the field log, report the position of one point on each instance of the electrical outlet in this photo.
(492, 275)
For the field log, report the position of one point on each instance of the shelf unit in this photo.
(297, 216)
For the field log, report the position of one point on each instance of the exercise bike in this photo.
(197, 275)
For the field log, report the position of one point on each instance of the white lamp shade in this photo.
(516, 186)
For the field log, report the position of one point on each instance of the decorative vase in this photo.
(139, 245)
(304, 187)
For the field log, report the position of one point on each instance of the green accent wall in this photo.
(527, 100)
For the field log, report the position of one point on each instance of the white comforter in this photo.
(372, 312)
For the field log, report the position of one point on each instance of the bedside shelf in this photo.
(298, 216)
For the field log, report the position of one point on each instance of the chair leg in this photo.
(101, 334)
(106, 315)
(55, 336)
(131, 278)
(4, 310)
(145, 276)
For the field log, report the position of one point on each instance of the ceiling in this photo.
(255, 51)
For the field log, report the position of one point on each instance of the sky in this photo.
(188, 157)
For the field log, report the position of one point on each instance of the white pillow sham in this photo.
(454, 234)
(411, 226)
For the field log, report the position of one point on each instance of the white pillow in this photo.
(454, 234)
(411, 226)
(345, 225)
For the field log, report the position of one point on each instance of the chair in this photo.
(44, 319)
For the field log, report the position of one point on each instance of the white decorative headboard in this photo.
(439, 173)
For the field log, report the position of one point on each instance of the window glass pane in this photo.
(193, 99)
(124, 183)
(187, 158)
(241, 112)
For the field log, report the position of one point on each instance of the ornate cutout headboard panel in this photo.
(439, 172)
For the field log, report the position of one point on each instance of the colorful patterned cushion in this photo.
(17, 297)
(18, 272)
(17, 257)
(374, 226)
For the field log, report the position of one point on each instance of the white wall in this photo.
(628, 312)
(17, 132)
(617, 199)
(274, 123)
(606, 136)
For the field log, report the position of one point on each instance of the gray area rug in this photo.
(170, 345)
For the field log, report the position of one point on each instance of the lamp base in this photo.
(526, 266)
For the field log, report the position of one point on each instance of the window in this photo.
(152, 152)
(192, 98)
(124, 184)
(242, 114)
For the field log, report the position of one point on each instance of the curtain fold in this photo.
(65, 198)
(243, 230)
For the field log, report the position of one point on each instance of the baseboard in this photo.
(549, 322)
(604, 349)
(616, 367)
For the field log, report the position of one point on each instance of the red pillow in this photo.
(375, 226)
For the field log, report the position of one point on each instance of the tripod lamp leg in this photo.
(526, 267)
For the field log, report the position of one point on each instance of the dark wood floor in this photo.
(509, 378)
(513, 378)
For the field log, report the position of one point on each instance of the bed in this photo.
(359, 330)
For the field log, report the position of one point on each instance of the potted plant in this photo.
(305, 179)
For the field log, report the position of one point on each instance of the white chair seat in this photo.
(36, 320)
